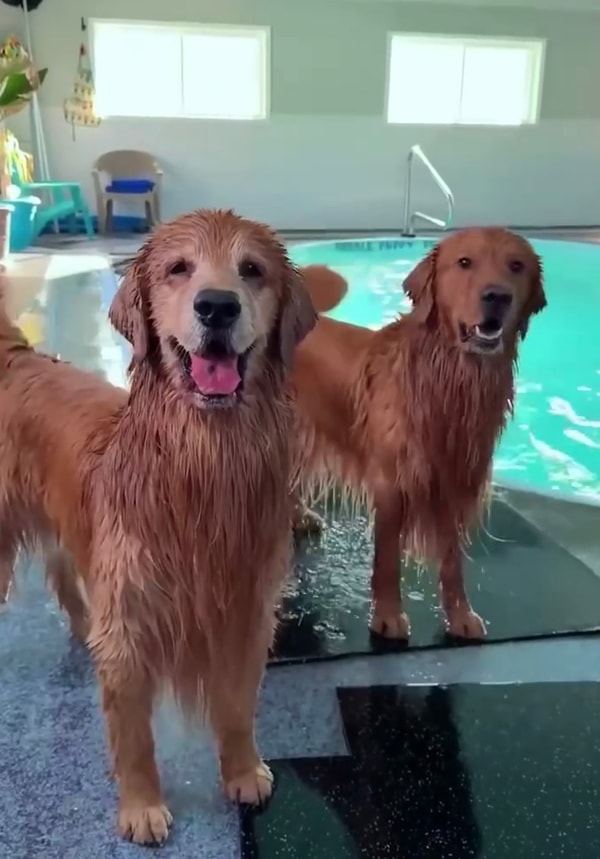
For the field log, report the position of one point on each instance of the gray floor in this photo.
(57, 802)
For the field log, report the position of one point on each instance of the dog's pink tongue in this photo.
(218, 377)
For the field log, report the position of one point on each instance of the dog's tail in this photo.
(325, 286)
(11, 337)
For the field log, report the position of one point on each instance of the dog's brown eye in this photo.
(465, 262)
(516, 266)
(179, 267)
(249, 270)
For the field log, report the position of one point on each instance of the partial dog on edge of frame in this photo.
(163, 512)
(410, 415)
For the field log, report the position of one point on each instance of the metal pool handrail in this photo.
(409, 219)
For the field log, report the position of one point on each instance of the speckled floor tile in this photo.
(456, 772)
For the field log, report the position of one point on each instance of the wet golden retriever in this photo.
(171, 500)
(410, 414)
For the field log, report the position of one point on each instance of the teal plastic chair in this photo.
(59, 200)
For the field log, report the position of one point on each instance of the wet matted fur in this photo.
(408, 416)
(170, 500)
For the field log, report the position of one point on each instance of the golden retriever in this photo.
(170, 500)
(409, 415)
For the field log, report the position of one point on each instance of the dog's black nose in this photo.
(496, 300)
(217, 308)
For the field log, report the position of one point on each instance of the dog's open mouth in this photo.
(217, 374)
(482, 338)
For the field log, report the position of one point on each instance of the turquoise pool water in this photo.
(553, 443)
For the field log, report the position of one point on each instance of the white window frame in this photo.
(537, 48)
(187, 28)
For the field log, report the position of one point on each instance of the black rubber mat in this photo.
(521, 583)
(493, 772)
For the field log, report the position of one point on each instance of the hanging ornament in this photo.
(79, 107)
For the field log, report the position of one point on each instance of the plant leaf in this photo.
(17, 86)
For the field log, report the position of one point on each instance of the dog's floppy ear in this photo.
(537, 297)
(419, 286)
(127, 312)
(298, 316)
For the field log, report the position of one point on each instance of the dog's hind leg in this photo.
(13, 537)
(64, 581)
(7, 571)
(305, 521)
(8, 560)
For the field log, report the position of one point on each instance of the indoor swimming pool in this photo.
(552, 445)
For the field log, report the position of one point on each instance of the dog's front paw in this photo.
(465, 623)
(251, 788)
(389, 621)
(145, 824)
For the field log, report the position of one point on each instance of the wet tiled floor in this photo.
(57, 800)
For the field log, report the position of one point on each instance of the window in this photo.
(178, 70)
(449, 80)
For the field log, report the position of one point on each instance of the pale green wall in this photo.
(334, 61)
(329, 56)
(326, 159)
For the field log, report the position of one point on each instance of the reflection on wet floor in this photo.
(62, 302)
